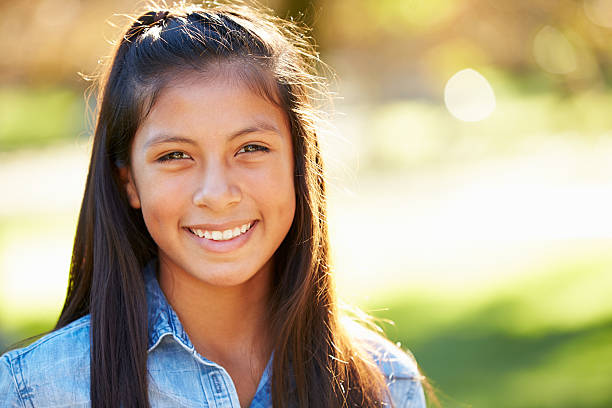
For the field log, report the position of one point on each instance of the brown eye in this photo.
(173, 156)
(251, 148)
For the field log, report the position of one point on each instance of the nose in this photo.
(216, 189)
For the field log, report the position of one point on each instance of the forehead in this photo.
(210, 104)
(238, 72)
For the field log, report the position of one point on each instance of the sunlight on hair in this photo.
(468, 96)
(553, 52)
(153, 32)
(599, 12)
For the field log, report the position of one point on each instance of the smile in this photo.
(224, 235)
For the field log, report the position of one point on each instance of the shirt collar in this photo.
(162, 320)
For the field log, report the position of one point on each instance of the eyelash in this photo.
(169, 156)
(257, 148)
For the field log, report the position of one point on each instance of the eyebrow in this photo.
(165, 138)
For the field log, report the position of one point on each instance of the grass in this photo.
(516, 349)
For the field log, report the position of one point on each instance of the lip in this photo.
(221, 246)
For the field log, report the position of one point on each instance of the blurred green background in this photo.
(470, 164)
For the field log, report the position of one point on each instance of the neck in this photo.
(224, 323)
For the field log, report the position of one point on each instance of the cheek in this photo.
(273, 192)
(161, 199)
(275, 186)
(283, 196)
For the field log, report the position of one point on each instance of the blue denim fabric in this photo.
(54, 371)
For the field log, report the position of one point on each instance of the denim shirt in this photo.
(54, 371)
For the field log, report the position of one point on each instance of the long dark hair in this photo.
(112, 243)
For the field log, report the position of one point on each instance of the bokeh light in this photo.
(553, 52)
(599, 12)
(469, 96)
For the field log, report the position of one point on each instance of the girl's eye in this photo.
(173, 156)
(251, 148)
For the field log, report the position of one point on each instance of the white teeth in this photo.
(221, 235)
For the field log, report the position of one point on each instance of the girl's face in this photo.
(212, 171)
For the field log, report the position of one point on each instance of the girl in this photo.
(199, 272)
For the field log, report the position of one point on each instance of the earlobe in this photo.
(130, 188)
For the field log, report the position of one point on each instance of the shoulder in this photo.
(55, 367)
(392, 361)
(399, 367)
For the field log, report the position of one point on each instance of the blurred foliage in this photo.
(437, 38)
(37, 117)
(429, 39)
(411, 134)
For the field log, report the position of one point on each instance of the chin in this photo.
(226, 278)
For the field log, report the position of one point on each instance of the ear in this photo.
(125, 174)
